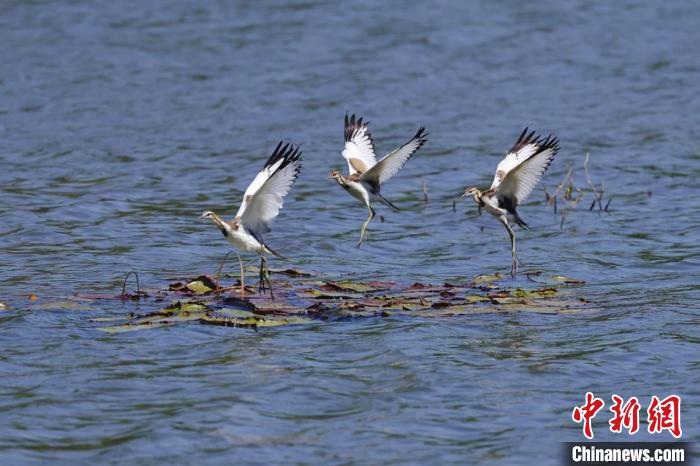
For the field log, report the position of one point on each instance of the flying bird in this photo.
(516, 177)
(366, 175)
(262, 202)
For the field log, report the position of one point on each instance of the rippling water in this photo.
(122, 121)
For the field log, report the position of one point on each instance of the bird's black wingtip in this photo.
(288, 153)
(422, 134)
(530, 137)
(352, 125)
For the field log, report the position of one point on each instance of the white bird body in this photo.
(366, 175)
(516, 176)
(490, 205)
(244, 241)
(359, 190)
(262, 202)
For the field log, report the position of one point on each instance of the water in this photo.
(122, 121)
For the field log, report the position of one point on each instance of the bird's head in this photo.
(335, 174)
(223, 226)
(212, 216)
(473, 192)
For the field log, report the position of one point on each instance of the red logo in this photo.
(626, 415)
(665, 415)
(661, 415)
(587, 412)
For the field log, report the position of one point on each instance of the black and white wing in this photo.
(519, 181)
(394, 161)
(525, 147)
(359, 145)
(264, 197)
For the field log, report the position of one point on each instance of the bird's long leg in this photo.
(363, 232)
(240, 263)
(261, 276)
(265, 282)
(514, 264)
(267, 278)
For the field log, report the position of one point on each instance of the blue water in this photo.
(121, 121)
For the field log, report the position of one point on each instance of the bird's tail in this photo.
(521, 223)
(275, 253)
(387, 202)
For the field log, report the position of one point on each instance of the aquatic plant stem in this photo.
(218, 274)
(138, 286)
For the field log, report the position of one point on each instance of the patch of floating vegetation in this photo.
(303, 298)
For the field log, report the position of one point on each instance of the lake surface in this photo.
(121, 121)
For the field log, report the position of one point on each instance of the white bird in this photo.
(366, 174)
(262, 202)
(516, 177)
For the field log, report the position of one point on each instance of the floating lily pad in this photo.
(276, 307)
(198, 287)
(421, 287)
(342, 299)
(488, 278)
(538, 277)
(321, 294)
(351, 286)
(129, 327)
(542, 293)
(291, 272)
(187, 307)
(475, 298)
(567, 280)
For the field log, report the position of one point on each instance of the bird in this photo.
(366, 175)
(262, 202)
(516, 176)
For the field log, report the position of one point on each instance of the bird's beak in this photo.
(202, 216)
(329, 177)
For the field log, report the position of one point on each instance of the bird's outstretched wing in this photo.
(394, 161)
(263, 198)
(519, 181)
(525, 147)
(359, 145)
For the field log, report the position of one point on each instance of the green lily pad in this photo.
(351, 286)
(132, 327)
(276, 307)
(567, 280)
(198, 287)
(475, 298)
(534, 294)
(320, 294)
(291, 272)
(480, 279)
(184, 306)
(235, 313)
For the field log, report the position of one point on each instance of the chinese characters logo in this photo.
(661, 414)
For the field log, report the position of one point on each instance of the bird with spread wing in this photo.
(516, 177)
(262, 202)
(366, 175)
